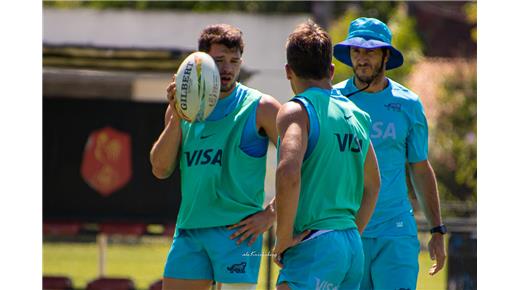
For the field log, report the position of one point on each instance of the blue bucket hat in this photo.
(368, 33)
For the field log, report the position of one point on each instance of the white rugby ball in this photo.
(197, 87)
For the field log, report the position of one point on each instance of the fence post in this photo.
(102, 250)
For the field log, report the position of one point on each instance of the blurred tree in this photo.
(338, 31)
(404, 36)
(381, 10)
(454, 139)
(406, 39)
(471, 16)
(198, 6)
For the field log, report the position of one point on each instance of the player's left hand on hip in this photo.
(253, 226)
(437, 253)
(281, 245)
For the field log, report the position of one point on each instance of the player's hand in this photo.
(282, 245)
(170, 92)
(170, 96)
(437, 253)
(253, 226)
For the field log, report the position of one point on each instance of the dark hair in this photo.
(225, 34)
(309, 51)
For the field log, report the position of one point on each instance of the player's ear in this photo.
(288, 71)
(387, 54)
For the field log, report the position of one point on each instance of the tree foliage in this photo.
(454, 138)
(471, 16)
(195, 6)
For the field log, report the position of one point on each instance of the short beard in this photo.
(375, 75)
(229, 87)
(370, 79)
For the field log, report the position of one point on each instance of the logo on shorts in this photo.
(237, 268)
(324, 285)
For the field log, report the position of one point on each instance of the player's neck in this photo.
(226, 94)
(303, 85)
(378, 84)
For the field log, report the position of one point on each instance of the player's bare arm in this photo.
(260, 222)
(371, 190)
(163, 155)
(293, 125)
(268, 108)
(425, 186)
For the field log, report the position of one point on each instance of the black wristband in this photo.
(440, 229)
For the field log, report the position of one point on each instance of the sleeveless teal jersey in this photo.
(332, 176)
(220, 183)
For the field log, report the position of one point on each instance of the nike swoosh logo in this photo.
(207, 136)
(346, 118)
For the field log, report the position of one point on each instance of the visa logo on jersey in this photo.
(204, 157)
(354, 143)
(382, 130)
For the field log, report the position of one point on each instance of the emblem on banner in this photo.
(107, 160)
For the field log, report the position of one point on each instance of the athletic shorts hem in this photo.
(186, 277)
(237, 282)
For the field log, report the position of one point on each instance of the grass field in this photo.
(143, 261)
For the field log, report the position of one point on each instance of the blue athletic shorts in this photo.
(333, 260)
(391, 262)
(209, 254)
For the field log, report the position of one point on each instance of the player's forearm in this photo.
(371, 187)
(368, 204)
(287, 197)
(425, 186)
(163, 155)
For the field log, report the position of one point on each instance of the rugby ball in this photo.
(197, 87)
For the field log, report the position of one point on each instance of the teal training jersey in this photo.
(220, 183)
(332, 176)
(399, 134)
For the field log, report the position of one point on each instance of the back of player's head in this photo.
(224, 34)
(309, 51)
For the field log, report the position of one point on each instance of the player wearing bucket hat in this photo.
(400, 135)
(368, 33)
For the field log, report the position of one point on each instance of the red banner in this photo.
(107, 164)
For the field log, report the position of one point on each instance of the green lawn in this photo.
(143, 261)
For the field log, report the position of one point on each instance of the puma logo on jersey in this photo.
(379, 130)
(324, 285)
(204, 157)
(354, 143)
(395, 107)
